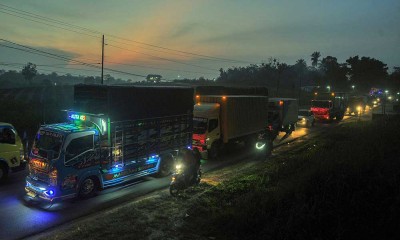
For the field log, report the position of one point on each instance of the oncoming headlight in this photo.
(178, 166)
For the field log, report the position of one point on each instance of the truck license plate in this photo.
(31, 194)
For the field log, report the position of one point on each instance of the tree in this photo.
(315, 58)
(334, 74)
(395, 78)
(89, 80)
(153, 78)
(29, 72)
(367, 72)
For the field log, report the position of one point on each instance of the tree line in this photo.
(357, 72)
(361, 73)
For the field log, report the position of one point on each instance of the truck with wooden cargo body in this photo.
(113, 134)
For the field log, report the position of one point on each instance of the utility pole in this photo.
(102, 61)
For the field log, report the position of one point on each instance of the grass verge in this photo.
(342, 185)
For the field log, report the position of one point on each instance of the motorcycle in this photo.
(182, 179)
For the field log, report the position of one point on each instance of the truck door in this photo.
(79, 150)
(214, 131)
(9, 149)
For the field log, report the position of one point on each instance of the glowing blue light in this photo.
(189, 147)
(42, 188)
(51, 192)
(118, 166)
(77, 117)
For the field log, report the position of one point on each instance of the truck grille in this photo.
(39, 176)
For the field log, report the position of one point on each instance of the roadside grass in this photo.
(344, 185)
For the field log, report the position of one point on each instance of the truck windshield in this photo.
(320, 104)
(199, 125)
(45, 142)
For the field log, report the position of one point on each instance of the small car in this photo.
(305, 118)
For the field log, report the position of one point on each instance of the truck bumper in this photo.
(41, 192)
(203, 150)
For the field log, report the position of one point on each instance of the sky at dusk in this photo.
(190, 39)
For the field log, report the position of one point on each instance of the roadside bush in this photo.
(344, 185)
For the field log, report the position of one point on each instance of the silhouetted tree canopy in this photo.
(315, 58)
(367, 72)
(29, 72)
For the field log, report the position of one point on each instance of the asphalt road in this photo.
(19, 219)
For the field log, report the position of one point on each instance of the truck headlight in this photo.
(178, 166)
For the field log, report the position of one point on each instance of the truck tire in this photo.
(340, 117)
(3, 172)
(166, 165)
(213, 153)
(88, 187)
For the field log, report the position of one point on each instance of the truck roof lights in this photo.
(224, 98)
(280, 103)
(76, 116)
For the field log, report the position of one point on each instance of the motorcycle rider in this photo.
(191, 161)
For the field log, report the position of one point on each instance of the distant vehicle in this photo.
(305, 118)
(329, 106)
(282, 114)
(11, 151)
(115, 134)
(221, 119)
(356, 105)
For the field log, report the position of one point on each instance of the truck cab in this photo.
(11, 151)
(329, 106)
(63, 155)
(206, 127)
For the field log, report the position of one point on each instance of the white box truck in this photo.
(283, 114)
(223, 119)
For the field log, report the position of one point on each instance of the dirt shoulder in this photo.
(154, 216)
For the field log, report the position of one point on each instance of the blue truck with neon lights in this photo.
(114, 134)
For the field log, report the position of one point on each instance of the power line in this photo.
(159, 58)
(166, 59)
(166, 69)
(32, 15)
(51, 55)
(44, 65)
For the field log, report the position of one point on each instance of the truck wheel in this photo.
(3, 172)
(339, 117)
(214, 151)
(88, 187)
(166, 165)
